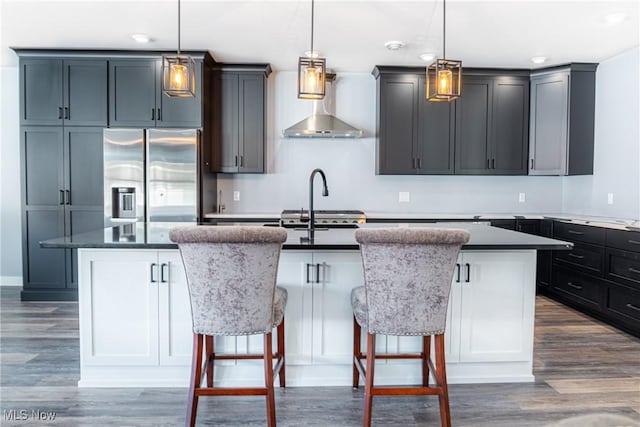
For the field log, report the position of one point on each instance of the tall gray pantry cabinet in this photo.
(67, 98)
(63, 108)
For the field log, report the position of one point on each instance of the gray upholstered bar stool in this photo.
(407, 277)
(231, 275)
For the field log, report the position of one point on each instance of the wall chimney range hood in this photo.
(323, 124)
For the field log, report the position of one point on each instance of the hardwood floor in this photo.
(581, 366)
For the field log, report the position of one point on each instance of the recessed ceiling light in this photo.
(141, 38)
(394, 45)
(538, 59)
(427, 57)
(615, 18)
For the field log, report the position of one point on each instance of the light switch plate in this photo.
(404, 197)
(609, 198)
(522, 197)
(236, 196)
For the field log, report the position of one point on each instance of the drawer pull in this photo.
(633, 270)
(578, 287)
(572, 255)
(633, 307)
(579, 233)
(634, 242)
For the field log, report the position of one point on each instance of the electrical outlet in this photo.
(610, 198)
(404, 197)
(522, 197)
(236, 196)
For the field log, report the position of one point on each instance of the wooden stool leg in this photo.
(426, 354)
(209, 359)
(280, 336)
(196, 371)
(445, 415)
(357, 350)
(268, 379)
(368, 391)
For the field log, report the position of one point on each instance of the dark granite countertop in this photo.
(156, 236)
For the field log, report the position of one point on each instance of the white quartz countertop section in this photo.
(274, 215)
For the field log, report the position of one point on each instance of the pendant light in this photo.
(311, 72)
(444, 76)
(178, 72)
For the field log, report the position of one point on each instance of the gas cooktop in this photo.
(301, 217)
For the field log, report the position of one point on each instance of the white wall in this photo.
(350, 167)
(617, 144)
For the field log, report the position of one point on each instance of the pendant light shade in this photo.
(311, 71)
(178, 72)
(444, 76)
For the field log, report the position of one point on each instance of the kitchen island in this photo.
(135, 324)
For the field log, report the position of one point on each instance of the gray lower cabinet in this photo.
(415, 136)
(62, 193)
(562, 121)
(57, 91)
(492, 119)
(136, 98)
(239, 119)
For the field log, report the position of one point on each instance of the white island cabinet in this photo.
(135, 324)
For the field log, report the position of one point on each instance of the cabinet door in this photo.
(251, 109)
(294, 274)
(85, 92)
(548, 128)
(332, 312)
(473, 120)
(175, 328)
(498, 299)
(225, 152)
(132, 93)
(43, 206)
(83, 187)
(119, 308)
(41, 92)
(435, 143)
(176, 111)
(510, 126)
(397, 124)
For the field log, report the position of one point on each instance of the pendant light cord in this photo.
(178, 27)
(311, 53)
(444, 27)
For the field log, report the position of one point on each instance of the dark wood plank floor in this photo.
(581, 366)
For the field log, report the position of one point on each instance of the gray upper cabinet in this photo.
(492, 118)
(562, 121)
(239, 119)
(136, 98)
(415, 136)
(63, 91)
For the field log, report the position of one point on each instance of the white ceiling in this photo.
(350, 34)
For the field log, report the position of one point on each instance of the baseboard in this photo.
(10, 280)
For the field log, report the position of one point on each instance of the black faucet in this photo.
(325, 193)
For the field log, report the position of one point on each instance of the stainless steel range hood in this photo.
(323, 124)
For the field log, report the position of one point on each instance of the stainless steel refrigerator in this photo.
(150, 175)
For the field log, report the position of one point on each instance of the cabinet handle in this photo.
(633, 270)
(493, 163)
(578, 287)
(413, 163)
(488, 163)
(68, 197)
(241, 161)
(572, 255)
(153, 272)
(468, 279)
(66, 112)
(317, 273)
(633, 307)
(419, 163)
(579, 233)
(60, 113)
(236, 162)
(62, 197)
(531, 163)
(153, 114)
(457, 272)
(159, 114)
(163, 276)
(634, 242)
(308, 265)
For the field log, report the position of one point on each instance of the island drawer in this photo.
(624, 303)
(588, 258)
(626, 240)
(623, 267)
(579, 233)
(577, 287)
